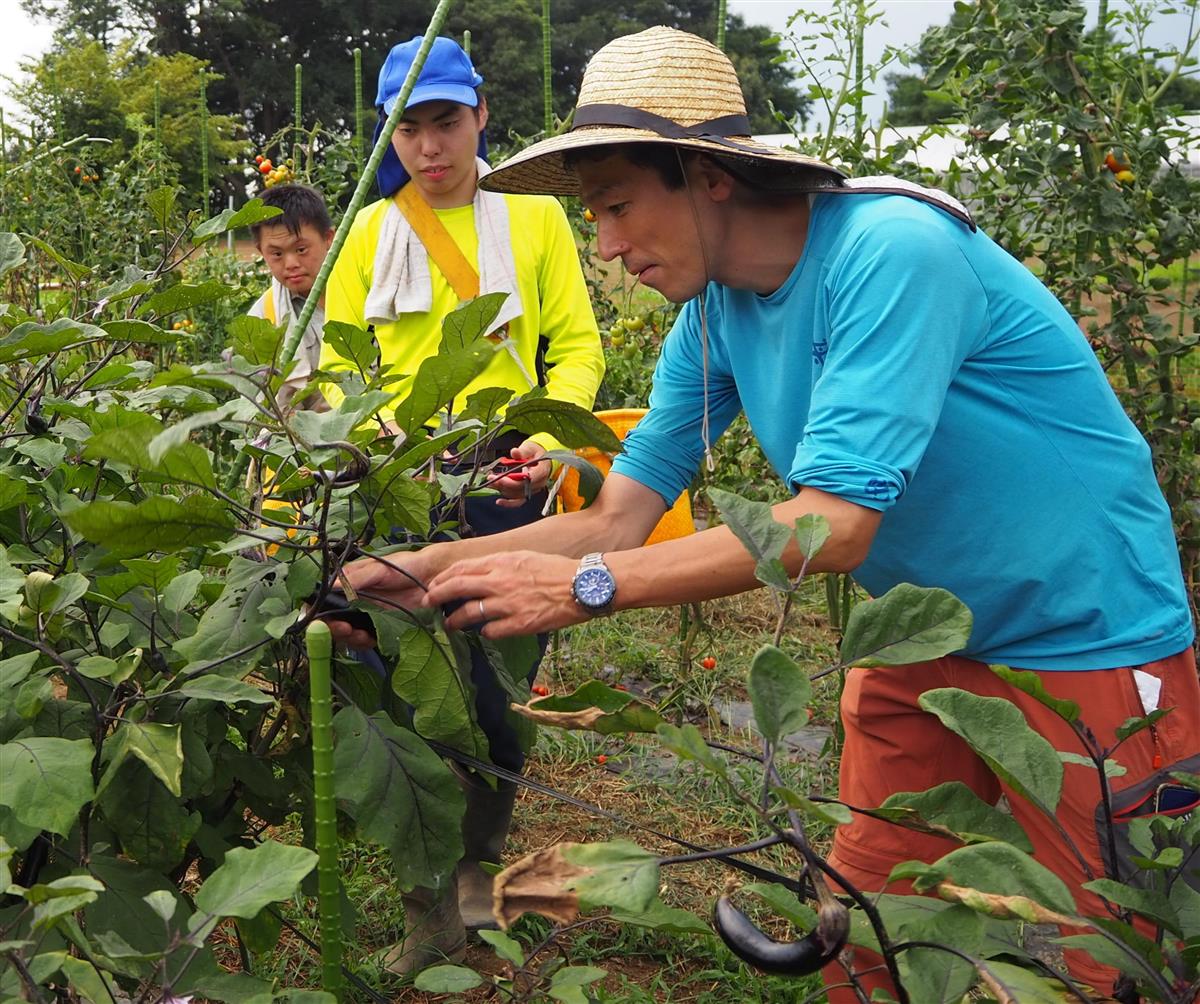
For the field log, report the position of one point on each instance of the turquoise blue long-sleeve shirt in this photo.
(913, 367)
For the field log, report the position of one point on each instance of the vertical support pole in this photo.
(721, 18)
(329, 901)
(204, 144)
(467, 42)
(547, 96)
(358, 107)
(859, 33)
(298, 134)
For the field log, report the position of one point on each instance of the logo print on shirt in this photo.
(820, 351)
(877, 488)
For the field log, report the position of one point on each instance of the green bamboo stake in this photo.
(297, 141)
(358, 107)
(859, 32)
(467, 42)
(547, 97)
(3, 160)
(204, 143)
(721, 25)
(329, 901)
(288, 352)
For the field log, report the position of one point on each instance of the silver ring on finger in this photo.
(482, 615)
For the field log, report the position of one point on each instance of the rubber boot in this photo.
(433, 934)
(485, 828)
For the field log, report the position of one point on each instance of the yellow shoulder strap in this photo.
(269, 306)
(447, 255)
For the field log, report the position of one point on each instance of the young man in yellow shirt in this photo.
(387, 279)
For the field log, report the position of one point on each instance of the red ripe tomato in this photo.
(708, 662)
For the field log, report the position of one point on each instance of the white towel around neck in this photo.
(401, 283)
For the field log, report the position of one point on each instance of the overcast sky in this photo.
(902, 25)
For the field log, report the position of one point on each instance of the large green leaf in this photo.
(162, 202)
(906, 624)
(571, 425)
(177, 434)
(237, 619)
(1003, 870)
(620, 875)
(466, 324)
(187, 462)
(46, 780)
(996, 730)
(439, 380)
(953, 809)
(447, 979)
(184, 296)
(1032, 685)
(1027, 987)
(936, 977)
(12, 253)
(31, 340)
(142, 332)
(224, 690)
(812, 530)
(590, 478)
(426, 677)
(780, 692)
(73, 269)
(400, 793)
(230, 219)
(403, 501)
(153, 826)
(352, 343)
(252, 878)
(753, 524)
(686, 742)
(157, 745)
(1150, 903)
(255, 339)
(159, 523)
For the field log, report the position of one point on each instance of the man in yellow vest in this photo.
(293, 246)
(409, 260)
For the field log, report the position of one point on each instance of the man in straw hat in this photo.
(910, 382)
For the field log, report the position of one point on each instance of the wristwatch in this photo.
(594, 587)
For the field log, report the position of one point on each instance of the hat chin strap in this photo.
(705, 436)
(713, 131)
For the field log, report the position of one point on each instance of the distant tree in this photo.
(254, 44)
(81, 89)
(909, 104)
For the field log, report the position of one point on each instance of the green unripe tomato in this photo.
(634, 324)
(618, 325)
(617, 338)
(1152, 233)
(630, 352)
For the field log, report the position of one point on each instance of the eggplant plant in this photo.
(155, 723)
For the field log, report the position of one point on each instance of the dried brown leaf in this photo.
(539, 883)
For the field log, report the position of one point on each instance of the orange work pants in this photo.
(893, 745)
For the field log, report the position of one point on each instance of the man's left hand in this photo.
(509, 593)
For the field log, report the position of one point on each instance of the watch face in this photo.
(594, 587)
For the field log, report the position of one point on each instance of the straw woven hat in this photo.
(661, 85)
